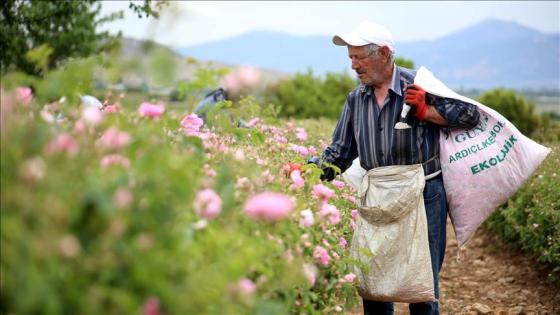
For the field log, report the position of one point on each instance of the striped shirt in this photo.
(366, 131)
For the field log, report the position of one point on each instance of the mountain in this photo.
(274, 50)
(490, 54)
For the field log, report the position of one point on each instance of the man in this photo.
(366, 129)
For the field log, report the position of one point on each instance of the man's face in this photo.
(368, 68)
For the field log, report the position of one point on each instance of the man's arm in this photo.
(343, 149)
(433, 116)
(440, 110)
(456, 113)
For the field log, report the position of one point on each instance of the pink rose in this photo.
(151, 306)
(322, 192)
(269, 206)
(115, 159)
(330, 211)
(298, 181)
(253, 122)
(207, 204)
(342, 242)
(354, 214)
(321, 256)
(301, 134)
(123, 197)
(348, 278)
(334, 217)
(191, 124)
(288, 256)
(306, 219)
(79, 126)
(209, 171)
(63, 143)
(302, 151)
(350, 198)
(111, 108)
(310, 272)
(239, 155)
(243, 77)
(151, 110)
(246, 286)
(338, 184)
(24, 94)
(311, 150)
(113, 139)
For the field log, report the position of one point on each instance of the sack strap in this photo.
(431, 159)
(434, 174)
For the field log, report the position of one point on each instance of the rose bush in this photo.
(145, 210)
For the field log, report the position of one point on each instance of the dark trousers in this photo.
(435, 203)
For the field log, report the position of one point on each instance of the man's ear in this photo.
(385, 52)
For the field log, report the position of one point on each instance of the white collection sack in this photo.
(391, 236)
(481, 167)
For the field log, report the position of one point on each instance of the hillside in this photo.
(149, 65)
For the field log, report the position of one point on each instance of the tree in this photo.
(309, 96)
(404, 62)
(513, 107)
(33, 30)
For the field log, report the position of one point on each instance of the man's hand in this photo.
(416, 96)
(328, 173)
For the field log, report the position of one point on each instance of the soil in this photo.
(489, 277)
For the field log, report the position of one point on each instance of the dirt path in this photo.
(490, 278)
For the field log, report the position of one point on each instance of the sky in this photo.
(196, 22)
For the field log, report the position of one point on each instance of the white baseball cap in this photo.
(364, 34)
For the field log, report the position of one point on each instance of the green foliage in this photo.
(514, 107)
(548, 130)
(204, 79)
(69, 28)
(404, 62)
(531, 218)
(148, 8)
(78, 237)
(40, 57)
(163, 67)
(152, 68)
(70, 80)
(309, 96)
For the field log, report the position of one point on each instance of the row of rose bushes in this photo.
(530, 220)
(117, 211)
